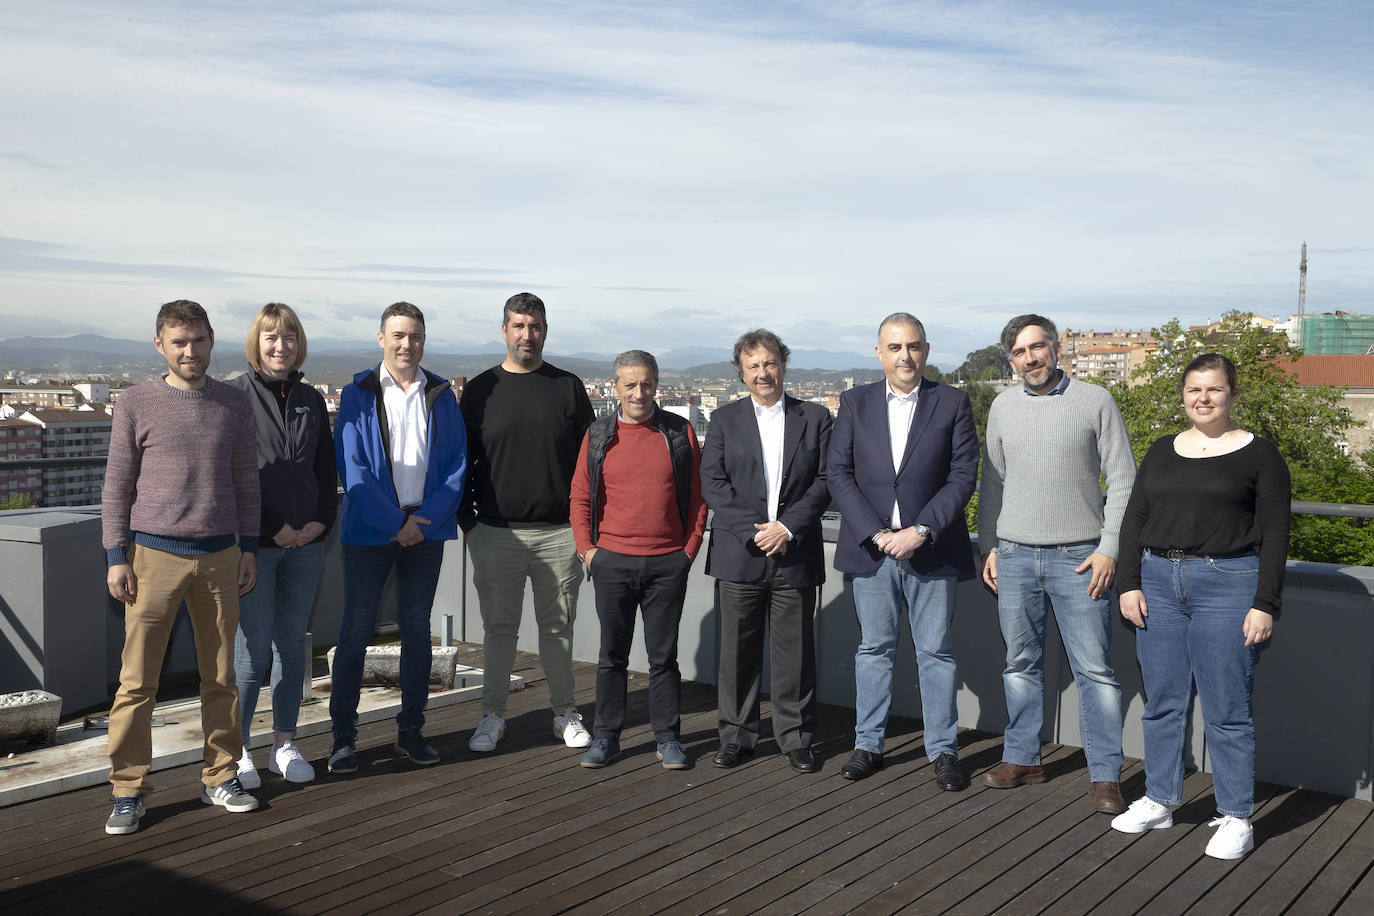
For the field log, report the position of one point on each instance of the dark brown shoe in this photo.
(1010, 775)
(1107, 798)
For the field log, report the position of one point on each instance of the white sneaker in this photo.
(1143, 814)
(571, 729)
(489, 731)
(287, 762)
(1233, 839)
(248, 774)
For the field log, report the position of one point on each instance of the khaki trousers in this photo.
(209, 585)
(502, 559)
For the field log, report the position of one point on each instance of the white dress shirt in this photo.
(772, 422)
(408, 426)
(900, 410)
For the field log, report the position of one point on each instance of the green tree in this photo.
(982, 395)
(1306, 423)
(980, 365)
(18, 501)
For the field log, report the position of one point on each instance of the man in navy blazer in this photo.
(903, 464)
(763, 471)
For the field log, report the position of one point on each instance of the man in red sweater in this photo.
(638, 520)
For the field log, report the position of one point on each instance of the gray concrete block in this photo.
(30, 714)
(382, 666)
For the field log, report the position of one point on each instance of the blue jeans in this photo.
(365, 574)
(1192, 634)
(273, 618)
(929, 601)
(1029, 579)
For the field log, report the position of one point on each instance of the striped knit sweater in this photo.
(183, 467)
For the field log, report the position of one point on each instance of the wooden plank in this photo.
(817, 856)
(1062, 837)
(1205, 875)
(1335, 848)
(991, 837)
(1279, 850)
(1139, 859)
(525, 829)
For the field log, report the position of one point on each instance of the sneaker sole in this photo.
(427, 762)
(1231, 855)
(120, 831)
(295, 779)
(342, 769)
(671, 766)
(1144, 828)
(594, 766)
(205, 799)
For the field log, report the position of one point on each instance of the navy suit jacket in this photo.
(933, 484)
(733, 485)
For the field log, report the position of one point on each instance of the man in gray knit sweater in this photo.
(1047, 538)
(180, 520)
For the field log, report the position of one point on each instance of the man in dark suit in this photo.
(903, 463)
(763, 473)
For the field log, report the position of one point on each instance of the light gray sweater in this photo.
(1044, 459)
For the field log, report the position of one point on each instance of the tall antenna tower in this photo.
(1302, 293)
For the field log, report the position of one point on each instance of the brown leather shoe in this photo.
(1107, 798)
(1010, 775)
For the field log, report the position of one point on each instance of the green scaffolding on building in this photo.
(1344, 333)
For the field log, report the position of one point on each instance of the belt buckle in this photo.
(1174, 555)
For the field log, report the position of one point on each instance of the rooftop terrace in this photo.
(527, 830)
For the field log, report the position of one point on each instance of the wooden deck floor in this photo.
(527, 830)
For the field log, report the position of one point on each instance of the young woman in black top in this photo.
(296, 473)
(1203, 546)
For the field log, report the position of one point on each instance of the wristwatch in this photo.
(923, 531)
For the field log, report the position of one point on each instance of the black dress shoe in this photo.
(860, 764)
(732, 755)
(802, 760)
(948, 776)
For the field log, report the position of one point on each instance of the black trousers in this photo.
(655, 585)
(789, 613)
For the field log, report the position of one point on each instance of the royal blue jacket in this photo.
(371, 513)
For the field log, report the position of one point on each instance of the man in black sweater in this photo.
(525, 422)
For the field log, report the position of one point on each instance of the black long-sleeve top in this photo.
(296, 469)
(524, 430)
(1218, 506)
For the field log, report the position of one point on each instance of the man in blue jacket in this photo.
(402, 455)
(903, 462)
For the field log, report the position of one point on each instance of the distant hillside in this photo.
(335, 361)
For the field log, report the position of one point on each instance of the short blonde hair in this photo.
(274, 316)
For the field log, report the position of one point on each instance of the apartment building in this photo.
(19, 440)
(83, 435)
(41, 395)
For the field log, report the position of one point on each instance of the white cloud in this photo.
(678, 171)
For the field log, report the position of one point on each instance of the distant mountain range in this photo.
(335, 361)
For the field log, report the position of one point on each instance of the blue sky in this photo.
(670, 175)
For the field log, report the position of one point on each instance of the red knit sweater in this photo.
(638, 500)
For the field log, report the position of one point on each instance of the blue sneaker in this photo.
(411, 744)
(602, 751)
(672, 755)
(343, 758)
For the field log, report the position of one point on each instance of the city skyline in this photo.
(660, 173)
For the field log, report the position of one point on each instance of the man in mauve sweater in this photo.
(638, 519)
(180, 521)
(1047, 538)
